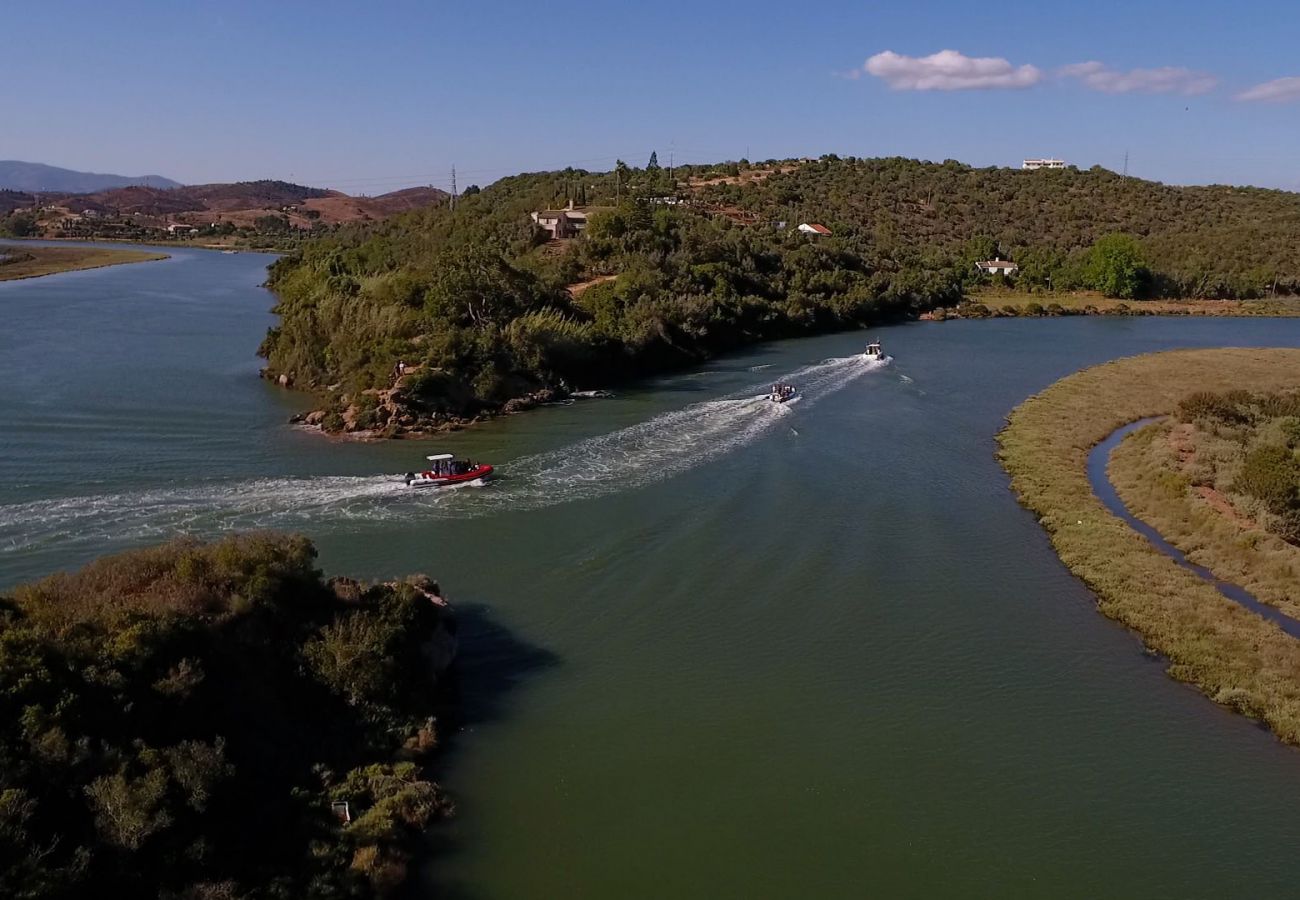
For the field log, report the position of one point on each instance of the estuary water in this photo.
(711, 647)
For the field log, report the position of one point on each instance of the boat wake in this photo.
(629, 458)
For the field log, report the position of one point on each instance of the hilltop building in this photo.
(561, 223)
(1043, 164)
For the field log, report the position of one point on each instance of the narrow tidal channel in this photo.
(1099, 460)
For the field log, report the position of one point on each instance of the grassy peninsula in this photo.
(215, 721)
(490, 313)
(992, 302)
(1221, 481)
(33, 262)
(1234, 656)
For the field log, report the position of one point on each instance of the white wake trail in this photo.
(629, 458)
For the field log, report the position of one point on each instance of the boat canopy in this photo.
(440, 456)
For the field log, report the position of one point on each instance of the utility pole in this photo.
(1126, 164)
(453, 187)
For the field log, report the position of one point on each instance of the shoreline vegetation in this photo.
(217, 720)
(1219, 482)
(993, 303)
(1233, 656)
(642, 271)
(20, 262)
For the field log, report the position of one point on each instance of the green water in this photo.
(711, 649)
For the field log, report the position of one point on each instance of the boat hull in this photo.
(430, 480)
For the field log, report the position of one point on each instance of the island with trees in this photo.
(489, 311)
(212, 721)
(1219, 478)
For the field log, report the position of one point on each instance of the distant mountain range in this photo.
(241, 204)
(16, 175)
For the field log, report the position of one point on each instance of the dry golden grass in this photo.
(1092, 302)
(1234, 656)
(33, 262)
(1146, 471)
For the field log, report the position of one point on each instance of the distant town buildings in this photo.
(997, 267)
(1043, 164)
(561, 223)
(814, 228)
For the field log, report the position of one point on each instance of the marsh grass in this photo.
(1144, 472)
(1013, 302)
(1234, 656)
(33, 262)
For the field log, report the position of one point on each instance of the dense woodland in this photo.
(179, 721)
(479, 302)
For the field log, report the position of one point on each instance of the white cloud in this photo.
(1165, 80)
(949, 70)
(1279, 90)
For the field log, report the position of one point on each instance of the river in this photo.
(712, 648)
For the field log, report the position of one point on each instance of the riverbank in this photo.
(18, 262)
(1156, 473)
(1235, 657)
(993, 303)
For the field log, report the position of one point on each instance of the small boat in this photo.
(230, 251)
(445, 470)
(874, 353)
(782, 392)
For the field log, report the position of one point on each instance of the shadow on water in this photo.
(491, 663)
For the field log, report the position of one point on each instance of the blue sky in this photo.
(369, 97)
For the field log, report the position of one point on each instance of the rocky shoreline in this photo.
(392, 414)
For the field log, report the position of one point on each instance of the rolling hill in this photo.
(16, 175)
(241, 204)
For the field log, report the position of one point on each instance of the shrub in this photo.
(1272, 475)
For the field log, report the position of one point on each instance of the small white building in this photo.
(1043, 164)
(997, 267)
(814, 228)
(181, 228)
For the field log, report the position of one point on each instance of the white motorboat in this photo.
(875, 353)
(782, 393)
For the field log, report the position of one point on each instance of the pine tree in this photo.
(654, 162)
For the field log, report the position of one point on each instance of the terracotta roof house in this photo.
(814, 228)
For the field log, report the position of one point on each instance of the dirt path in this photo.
(579, 287)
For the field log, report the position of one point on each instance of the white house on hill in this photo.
(562, 223)
(814, 228)
(1043, 164)
(997, 267)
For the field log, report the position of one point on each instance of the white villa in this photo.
(1043, 164)
(997, 267)
(561, 223)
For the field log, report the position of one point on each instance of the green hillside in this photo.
(678, 267)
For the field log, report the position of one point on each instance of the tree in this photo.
(19, 225)
(653, 165)
(1117, 267)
